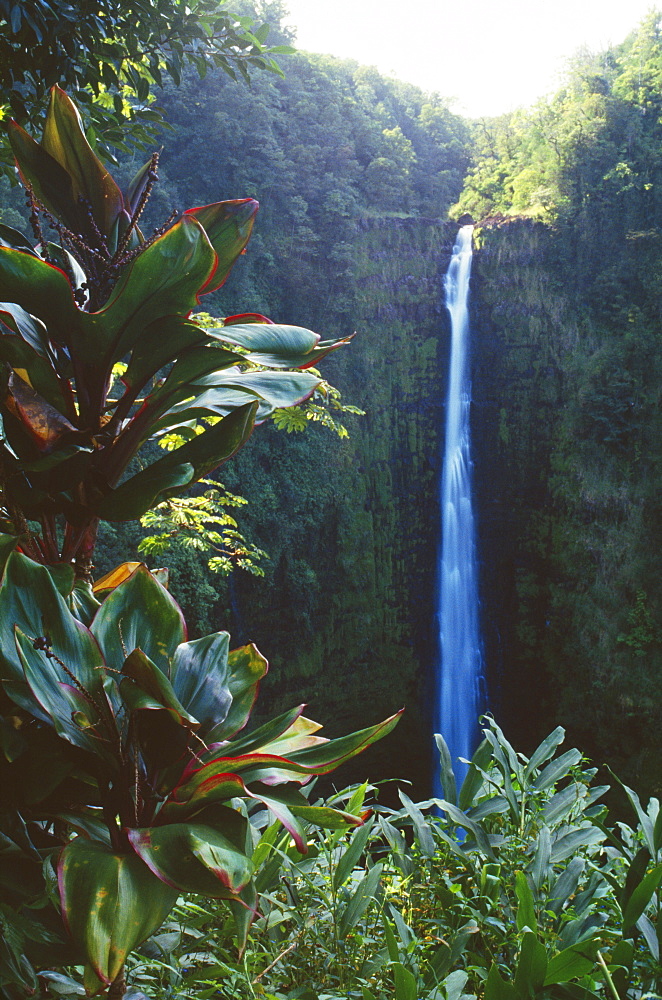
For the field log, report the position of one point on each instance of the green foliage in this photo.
(110, 58)
(542, 897)
(123, 768)
(106, 297)
(201, 524)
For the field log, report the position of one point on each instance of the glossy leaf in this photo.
(228, 225)
(111, 902)
(139, 614)
(181, 467)
(82, 719)
(50, 181)
(146, 688)
(161, 342)
(65, 141)
(571, 963)
(641, 897)
(230, 388)
(163, 280)
(200, 677)
(193, 857)
(526, 914)
(42, 290)
(325, 758)
(277, 346)
(531, 966)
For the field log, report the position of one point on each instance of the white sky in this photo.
(490, 56)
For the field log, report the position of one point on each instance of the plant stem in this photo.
(610, 982)
(117, 988)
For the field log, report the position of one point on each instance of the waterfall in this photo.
(461, 668)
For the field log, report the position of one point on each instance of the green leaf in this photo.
(326, 757)
(30, 601)
(277, 346)
(143, 491)
(571, 963)
(246, 667)
(421, 826)
(82, 720)
(161, 342)
(111, 902)
(145, 687)
(457, 816)
(139, 614)
(474, 779)
(65, 141)
(360, 900)
(496, 988)
(641, 896)
(352, 855)
(228, 225)
(405, 983)
(50, 181)
(203, 454)
(531, 966)
(162, 280)
(526, 913)
(194, 857)
(230, 388)
(544, 751)
(565, 885)
(583, 836)
(42, 290)
(447, 774)
(557, 769)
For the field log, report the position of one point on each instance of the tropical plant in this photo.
(105, 296)
(531, 903)
(126, 780)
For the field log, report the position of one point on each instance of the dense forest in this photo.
(356, 175)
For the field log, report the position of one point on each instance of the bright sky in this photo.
(490, 56)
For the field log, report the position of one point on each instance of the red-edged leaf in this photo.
(64, 139)
(111, 902)
(228, 225)
(276, 346)
(51, 183)
(195, 857)
(162, 281)
(242, 318)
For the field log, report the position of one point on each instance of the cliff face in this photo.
(347, 612)
(566, 416)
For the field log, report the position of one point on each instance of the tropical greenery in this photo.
(111, 56)
(113, 789)
(515, 886)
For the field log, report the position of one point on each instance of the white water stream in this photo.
(461, 671)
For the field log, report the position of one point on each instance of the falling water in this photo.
(461, 655)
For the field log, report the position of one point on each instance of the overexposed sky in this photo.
(490, 56)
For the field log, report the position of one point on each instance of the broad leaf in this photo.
(228, 225)
(161, 281)
(110, 903)
(41, 289)
(139, 614)
(146, 688)
(65, 141)
(277, 346)
(194, 857)
(166, 476)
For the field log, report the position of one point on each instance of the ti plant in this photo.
(126, 778)
(101, 298)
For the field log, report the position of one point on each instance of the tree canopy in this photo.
(109, 55)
